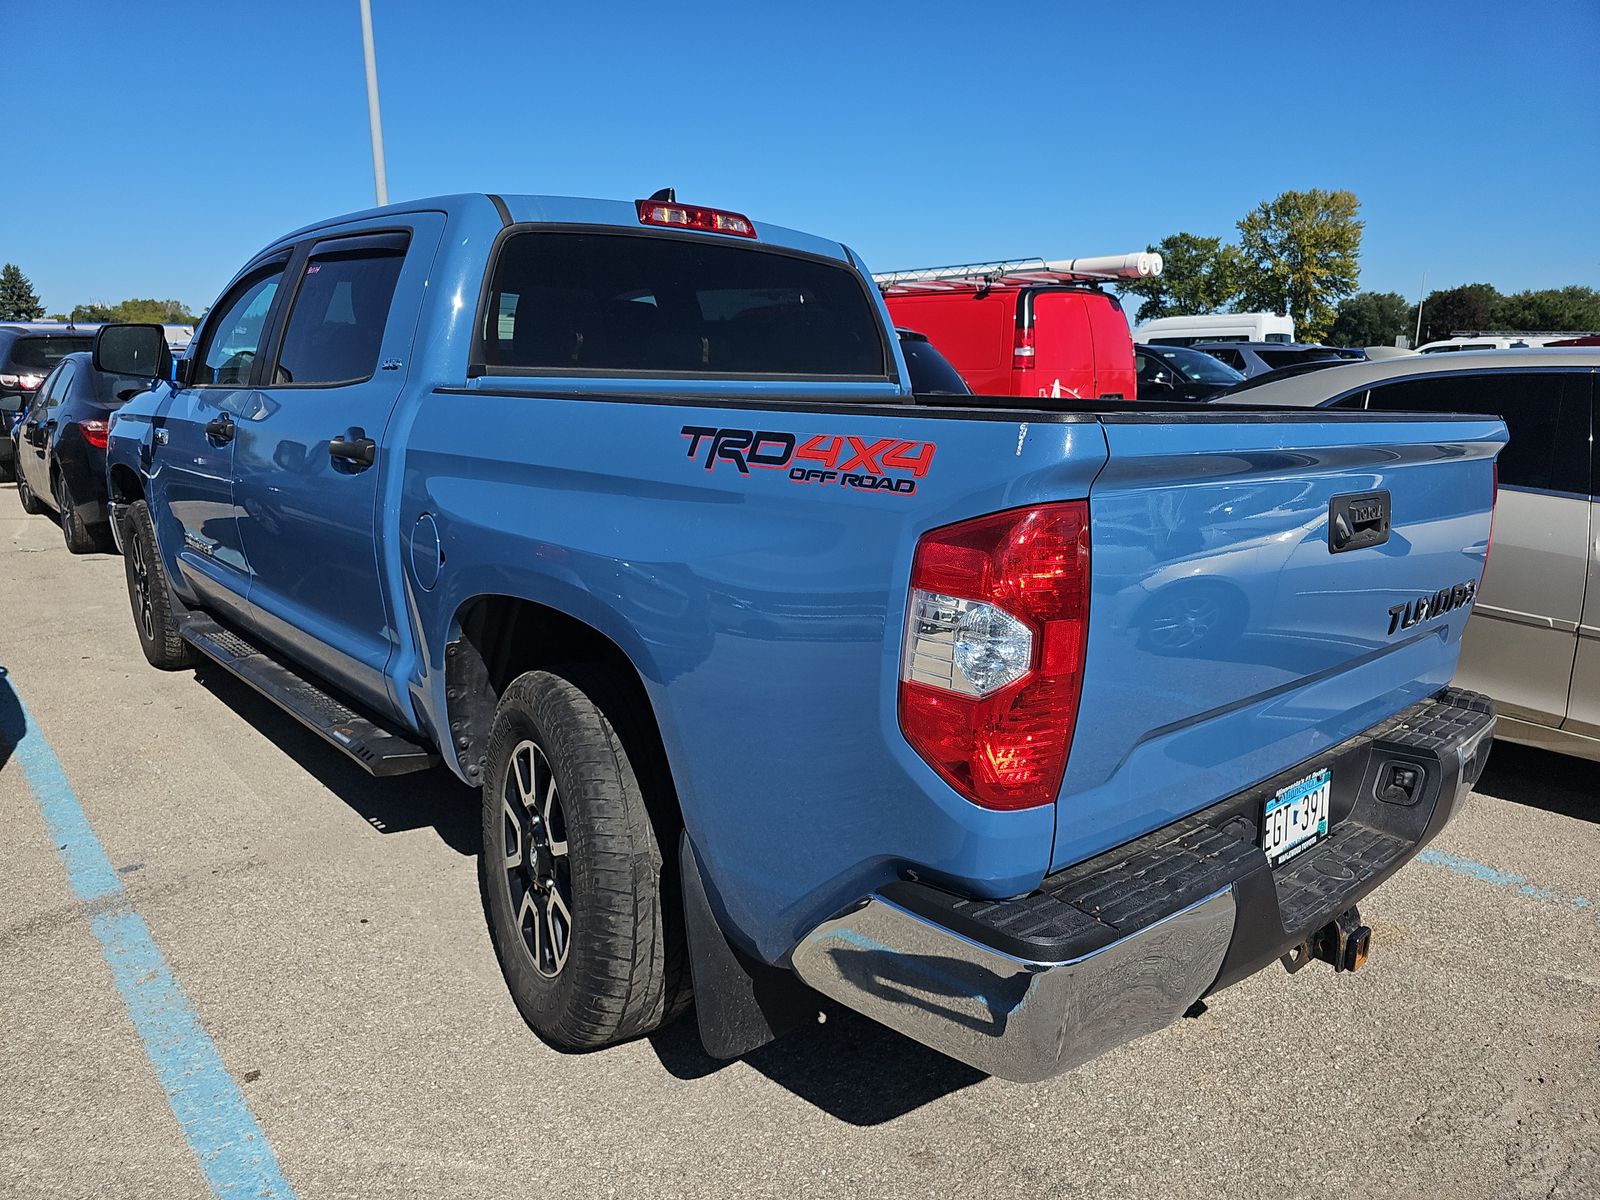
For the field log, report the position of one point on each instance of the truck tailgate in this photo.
(1228, 639)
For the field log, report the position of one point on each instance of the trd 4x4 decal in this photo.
(842, 460)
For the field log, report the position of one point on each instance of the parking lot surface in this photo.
(323, 933)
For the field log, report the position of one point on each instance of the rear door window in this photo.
(574, 303)
(58, 390)
(335, 330)
(1546, 413)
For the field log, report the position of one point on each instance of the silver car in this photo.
(1533, 642)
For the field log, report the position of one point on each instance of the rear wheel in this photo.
(148, 593)
(587, 933)
(30, 502)
(79, 540)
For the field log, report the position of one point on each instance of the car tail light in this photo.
(26, 382)
(996, 628)
(1022, 350)
(95, 432)
(690, 216)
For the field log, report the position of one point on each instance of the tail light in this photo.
(27, 383)
(690, 216)
(95, 432)
(996, 629)
(1022, 350)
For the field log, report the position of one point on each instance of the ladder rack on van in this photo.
(1020, 272)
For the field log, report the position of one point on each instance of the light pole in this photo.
(1420, 296)
(380, 177)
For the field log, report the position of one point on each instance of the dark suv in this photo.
(1257, 358)
(29, 352)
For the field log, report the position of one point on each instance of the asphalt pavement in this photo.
(280, 961)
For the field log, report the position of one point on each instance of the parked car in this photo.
(1488, 341)
(1025, 339)
(1257, 358)
(28, 352)
(929, 372)
(1290, 372)
(1168, 373)
(1216, 327)
(1534, 639)
(771, 674)
(60, 443)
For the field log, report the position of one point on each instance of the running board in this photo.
(376, 749)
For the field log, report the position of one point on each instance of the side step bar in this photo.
(378, 750)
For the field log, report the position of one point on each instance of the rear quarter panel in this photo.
(764, 615)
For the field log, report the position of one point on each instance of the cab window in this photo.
(232, 337)
(607, 303)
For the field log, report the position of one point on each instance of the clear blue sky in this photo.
(175, 139)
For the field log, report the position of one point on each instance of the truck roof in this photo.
(564, 210)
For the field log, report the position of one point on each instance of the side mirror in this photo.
(137, 350)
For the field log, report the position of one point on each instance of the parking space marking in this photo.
(1505, 879)
(232, 1151)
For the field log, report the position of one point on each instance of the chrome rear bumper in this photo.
(1007, 1016)
(1120, 946)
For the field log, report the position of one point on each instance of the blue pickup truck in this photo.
(1019, 726)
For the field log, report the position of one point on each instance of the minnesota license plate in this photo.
(1296, 819)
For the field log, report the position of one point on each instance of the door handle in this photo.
(353, 447)
(220, 429)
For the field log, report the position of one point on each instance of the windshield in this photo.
(931, 373)
(39, 355)
(1195, 367)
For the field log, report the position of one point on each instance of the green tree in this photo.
(1465, 309)
(1370, 319)
(1555, 310)
(158, 312)
(1198, 275)
(1300, 254)
(18, 301)
(92, 313)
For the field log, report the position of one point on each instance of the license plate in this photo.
(1296, 819)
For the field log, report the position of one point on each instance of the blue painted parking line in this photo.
(227, 1142)
(1505, 879)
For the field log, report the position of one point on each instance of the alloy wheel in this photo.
(141, 585)
(537, 863)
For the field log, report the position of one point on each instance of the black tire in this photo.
(30, 502)
(148, 593)
(79, 540)
(621, 970)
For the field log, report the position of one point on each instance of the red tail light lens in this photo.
(996, 630)
(95, 432)
(1022, 350)
(690, 216)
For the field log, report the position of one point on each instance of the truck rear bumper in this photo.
(1123, 944)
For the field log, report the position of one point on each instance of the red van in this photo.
(1019, 339)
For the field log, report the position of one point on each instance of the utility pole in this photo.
(1420, 295)
(379, 175)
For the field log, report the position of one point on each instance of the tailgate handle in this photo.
(1358, 520)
